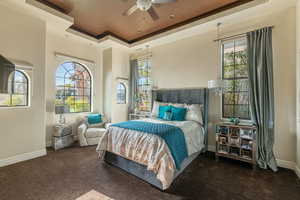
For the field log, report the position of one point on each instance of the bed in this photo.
(150, 157)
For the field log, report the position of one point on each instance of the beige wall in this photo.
(192, 62)
(23, 129)
(120, 68)
(74, 47)
(115, 66)
(107, 82)
(298, 83)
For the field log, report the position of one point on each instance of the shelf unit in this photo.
(236, 142)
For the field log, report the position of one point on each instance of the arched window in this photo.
(121, 93)
(17, 91)
(73, 88)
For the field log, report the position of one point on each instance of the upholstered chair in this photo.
(90, 134)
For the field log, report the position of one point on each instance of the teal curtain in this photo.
(133, 84)
(260, 62)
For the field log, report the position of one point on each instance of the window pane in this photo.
(228, 111)
(4, 99)
(19, 77)
(241, 71)
(236, 90)
(241, 98)
(228, 71)
(19, 100)
(242, 85)
(20, 88)
(73, 87)
(242, 111)
(228, 98)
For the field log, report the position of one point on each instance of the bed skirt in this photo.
(140, 170)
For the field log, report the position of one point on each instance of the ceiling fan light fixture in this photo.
(144, 5)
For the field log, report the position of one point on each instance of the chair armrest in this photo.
(81, 134)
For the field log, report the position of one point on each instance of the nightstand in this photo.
(134, 116)
(62, 136)
(236, 142)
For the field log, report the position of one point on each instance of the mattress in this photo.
(151, 150)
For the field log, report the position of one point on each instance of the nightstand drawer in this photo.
(62, 130)
(62, 142)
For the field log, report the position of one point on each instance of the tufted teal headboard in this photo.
(188, 96)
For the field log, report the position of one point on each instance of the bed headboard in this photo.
(188, 96)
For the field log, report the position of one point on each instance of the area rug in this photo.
(94, 195)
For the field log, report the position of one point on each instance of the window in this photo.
(73, 88)
(121, 93)
(144, 86)
(17, 91)
(235, 98)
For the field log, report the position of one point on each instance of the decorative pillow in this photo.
(178, 114)
(179, 105)
(94, 119)
(168, 116)
(194, 113)
(155, 108)
(163, 110)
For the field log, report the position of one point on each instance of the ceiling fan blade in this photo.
(163, 1)
(153, 14)
(130, 10)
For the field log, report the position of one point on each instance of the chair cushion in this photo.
(94, 132)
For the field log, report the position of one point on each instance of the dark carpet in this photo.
(70, 173)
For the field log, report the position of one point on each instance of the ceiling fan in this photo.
(147, 5)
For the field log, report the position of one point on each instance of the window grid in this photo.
(73, 105)
(121, 93)
(144, 85)
(12, 94)
(235, 92)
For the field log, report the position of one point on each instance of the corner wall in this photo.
(193, 61)
(298, 86)
(115, 65)
(71, 46)
(22, 132)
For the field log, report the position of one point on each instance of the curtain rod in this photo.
(234, 36)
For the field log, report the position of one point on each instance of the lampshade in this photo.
(215, 84)
(60, 109)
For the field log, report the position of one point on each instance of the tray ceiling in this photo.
(99, 18)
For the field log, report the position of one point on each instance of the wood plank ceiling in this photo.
(99, 18)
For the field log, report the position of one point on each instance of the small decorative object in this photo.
(234, 120)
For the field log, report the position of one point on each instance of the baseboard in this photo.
(48, 143)
(22, 157)
(297, 170)
(211, 148)
(286, 164)
(281, 163)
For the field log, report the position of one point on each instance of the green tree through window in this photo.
(235, 98)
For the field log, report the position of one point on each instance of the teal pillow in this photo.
(178, 114)
(167, 116)
(94, 119)
(162, 110)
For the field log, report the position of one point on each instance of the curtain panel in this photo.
(260, 69)
(133, 84)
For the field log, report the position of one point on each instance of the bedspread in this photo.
(149, 149)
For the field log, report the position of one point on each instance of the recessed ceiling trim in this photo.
(148, 35)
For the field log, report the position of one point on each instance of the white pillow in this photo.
(155, 108)
(178, 105)
(194, 113)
